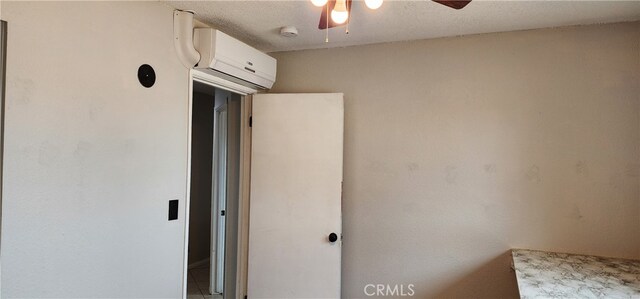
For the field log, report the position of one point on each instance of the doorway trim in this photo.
(218, 203)
(3, 62)
(244, 184)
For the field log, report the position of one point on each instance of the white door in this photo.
(296, 190)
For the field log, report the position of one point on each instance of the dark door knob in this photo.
(333, 237)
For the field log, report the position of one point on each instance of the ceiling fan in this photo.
(341, 9)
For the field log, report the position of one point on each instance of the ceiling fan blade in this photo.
(453, 4)
(323, 16)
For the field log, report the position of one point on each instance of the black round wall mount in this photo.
(146, 75)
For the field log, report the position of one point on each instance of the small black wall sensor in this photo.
(173, 209)
(146, 75)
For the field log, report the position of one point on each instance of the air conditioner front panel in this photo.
(227, 55)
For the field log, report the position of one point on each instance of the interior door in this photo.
(296, 188)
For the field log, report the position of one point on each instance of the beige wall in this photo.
(92, 157)
(458, 149)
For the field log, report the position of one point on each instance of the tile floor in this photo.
(198, 284)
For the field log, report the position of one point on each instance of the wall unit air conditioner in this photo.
(226, 57)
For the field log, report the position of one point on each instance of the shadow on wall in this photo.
(487, 281)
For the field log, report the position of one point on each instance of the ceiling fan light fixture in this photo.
(339, 14)
(373, 4)
(319, 3)
(339, 17)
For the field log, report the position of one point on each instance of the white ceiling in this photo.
(258, 22)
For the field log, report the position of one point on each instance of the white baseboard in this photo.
(199, 263)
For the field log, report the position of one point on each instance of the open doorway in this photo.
(214, 192)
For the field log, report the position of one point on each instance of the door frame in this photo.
(244, 176)
(218, 200)
(3, 62)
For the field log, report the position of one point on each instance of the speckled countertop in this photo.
(543, 274)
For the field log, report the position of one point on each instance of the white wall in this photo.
(458, 149)
(92, 158)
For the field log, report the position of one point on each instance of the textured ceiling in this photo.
(258, 22)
